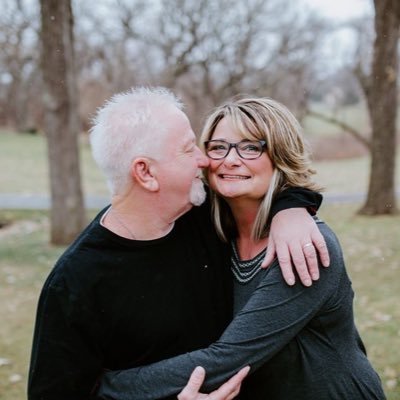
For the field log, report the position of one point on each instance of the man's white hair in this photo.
(127, 126)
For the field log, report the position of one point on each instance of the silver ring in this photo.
(307, 245)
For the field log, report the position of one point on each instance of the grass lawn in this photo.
(27, 154)
(371, 247)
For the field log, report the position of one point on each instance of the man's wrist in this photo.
(296, 197)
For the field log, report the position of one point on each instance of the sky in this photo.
(342, 9)
(338, 49)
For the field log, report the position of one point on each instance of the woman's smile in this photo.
(231, 177)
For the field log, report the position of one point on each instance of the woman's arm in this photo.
(294, 237)
(274, 314)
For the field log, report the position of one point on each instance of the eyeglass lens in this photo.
(218, 149)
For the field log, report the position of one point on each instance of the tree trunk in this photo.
(61, 120)
(382, 105)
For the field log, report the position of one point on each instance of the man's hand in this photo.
(229, 390)
(293, 236)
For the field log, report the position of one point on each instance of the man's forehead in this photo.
(178, 124)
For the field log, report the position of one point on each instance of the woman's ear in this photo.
(144, 173)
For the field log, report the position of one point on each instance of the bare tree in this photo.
(380, 89)
(61, 120)
(206, 50)
(18, 62)
(376, 72)
(111, 53)
(261, 47)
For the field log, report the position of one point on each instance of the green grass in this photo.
(25, 157)
(370, 245)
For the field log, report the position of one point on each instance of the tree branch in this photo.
(332, 120)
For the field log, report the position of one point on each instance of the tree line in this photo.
(206, 50)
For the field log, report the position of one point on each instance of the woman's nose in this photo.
(232, 157)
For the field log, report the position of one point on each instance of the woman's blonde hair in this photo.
(263, 119)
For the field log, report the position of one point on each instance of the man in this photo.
(148, 278)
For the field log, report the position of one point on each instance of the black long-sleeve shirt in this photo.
(113, 303)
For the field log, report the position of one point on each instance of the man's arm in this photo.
(294, 236)
(66, 360)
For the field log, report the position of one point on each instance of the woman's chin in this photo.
(229, 194)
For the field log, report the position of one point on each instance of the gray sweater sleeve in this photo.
(273, 315)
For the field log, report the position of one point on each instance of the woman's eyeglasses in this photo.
(246, 149)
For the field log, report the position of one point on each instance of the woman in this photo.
(301, 342)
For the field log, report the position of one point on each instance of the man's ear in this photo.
(143, 172)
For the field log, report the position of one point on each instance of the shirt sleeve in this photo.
(65, 360)
(295, 197)
(272, 317)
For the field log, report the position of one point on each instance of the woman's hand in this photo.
(295, 238)
(229, 390)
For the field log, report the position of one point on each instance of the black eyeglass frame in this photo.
(236, 146)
